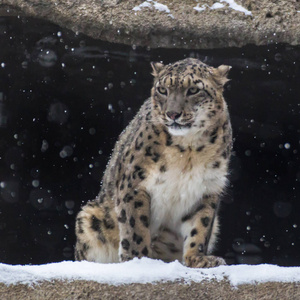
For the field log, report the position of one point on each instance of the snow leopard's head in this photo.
(188, 94)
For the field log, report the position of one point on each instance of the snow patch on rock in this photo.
(217, 5)
(154, 4)
(231, 3)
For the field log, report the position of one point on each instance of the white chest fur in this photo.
(175, 192)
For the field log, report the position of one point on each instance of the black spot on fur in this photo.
(194, 232)
(169, 140)
(138, 204)
(141, 175)
(127, 198)
(163, 169)
(138, 146)
(214, 135)
(211, 114)
(123, 177)
(122, 187)
(200, 148)
(109, 223)
(96, 224)
(192, 245)
(145, 251)
(149, 137)
(79, 255)
(155, 157)
(205, 221)
(79, 226)
(122, 218)
(137, 238)
(193, 213)
(225, 125)
(134, 253)
(148, 151)
(180, 148)
(144, 220)
(131, 158)
(148, 116)
(85, 247)
(213, 205)
(132, 222)
(125, 244)
(137, 168)
(216, 165)
(156, 130)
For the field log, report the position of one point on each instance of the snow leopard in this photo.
(161, 189)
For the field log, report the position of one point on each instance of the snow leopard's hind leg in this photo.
(97, 234)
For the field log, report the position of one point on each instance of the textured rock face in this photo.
(168, 290)
(193, 24)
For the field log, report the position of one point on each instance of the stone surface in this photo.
(182, 26)
(213, 290)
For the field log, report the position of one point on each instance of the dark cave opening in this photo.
(65, 98)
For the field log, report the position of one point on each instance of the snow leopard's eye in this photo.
(162, 90)
(193, 91)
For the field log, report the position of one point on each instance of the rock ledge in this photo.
(191, 24)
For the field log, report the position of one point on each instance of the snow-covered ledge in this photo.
(173, 24)
(148, 279)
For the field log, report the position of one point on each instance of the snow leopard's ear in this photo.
(156, 67)
(220, 74)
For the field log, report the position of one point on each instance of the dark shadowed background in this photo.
(65, 98)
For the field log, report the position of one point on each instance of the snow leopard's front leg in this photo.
(133, 211)
(198, 230)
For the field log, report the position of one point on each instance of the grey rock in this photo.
(176, 25)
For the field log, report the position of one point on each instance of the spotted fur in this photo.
(160, 192)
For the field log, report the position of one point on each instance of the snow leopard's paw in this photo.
(203, 261)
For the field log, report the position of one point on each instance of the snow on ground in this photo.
(144, 270)
(153, 4)
(232, 4)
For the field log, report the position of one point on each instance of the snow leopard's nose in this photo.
(173, 115)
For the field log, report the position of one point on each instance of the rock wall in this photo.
(191, 24)
(213, 290)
